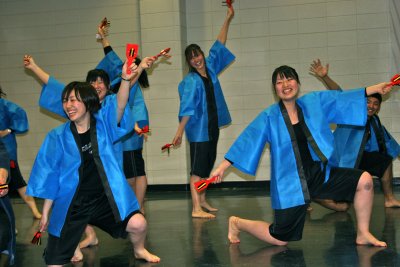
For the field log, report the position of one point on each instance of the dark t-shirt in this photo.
(302, 143)
(211, 109)
(90, 182)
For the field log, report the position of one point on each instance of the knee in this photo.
(365, 183)
(137, 223)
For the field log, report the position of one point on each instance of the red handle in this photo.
(131, 54)
(395, 79)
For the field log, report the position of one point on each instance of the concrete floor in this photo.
(328, 238)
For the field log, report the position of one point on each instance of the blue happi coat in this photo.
(5, 205)
(55, 173)
(319, 110)
(12, 117)
(112, 64)
(349, 143)
(192, 95)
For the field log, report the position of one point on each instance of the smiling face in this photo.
(286, 83)
(100, 81)
(195, 59)
(197, 62)
(75, 109)
(373, 106)
(100, 87)
(286, 88)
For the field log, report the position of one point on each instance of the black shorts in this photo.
(202, 157)
(16, 179)
(375, 163)
(134, 164)
(342, 184)
(85, 210)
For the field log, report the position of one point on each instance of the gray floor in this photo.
(328, 238)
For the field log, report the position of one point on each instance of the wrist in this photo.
(125, 79)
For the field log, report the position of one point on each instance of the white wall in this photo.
(354, 36)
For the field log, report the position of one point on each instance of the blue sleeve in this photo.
(17, 117)
(344, 107)
(393, 148)
(50, 98)
(44, 178)
(137, 104)
(246, 151)
(188, 97)
(219, 57)
(112, 64)
(108, 113)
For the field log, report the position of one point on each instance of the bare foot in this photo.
(202, 214)
(233, 232)
(78, 256)
(368, 239)
(394, 203)
(147, 256)
(207, 206)
(88, 242)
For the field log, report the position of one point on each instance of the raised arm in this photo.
(128, 80)
(102, 33)
(321, 72)
(30, 64)
(223, 34)
(380, 88)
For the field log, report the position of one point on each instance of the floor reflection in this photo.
(328, 238)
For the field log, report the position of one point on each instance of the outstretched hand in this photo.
(380, 88)
(317, 69)
(29, 63)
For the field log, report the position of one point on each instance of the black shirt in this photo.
(211, 108)
(90, 182)
(302, 143)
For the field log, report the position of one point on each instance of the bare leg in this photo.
(30, 201)
(137, 229)
(197, 210)
(90, 238)
(139, 186)
(333, 205)
(258, 229)
(386, 181)
(204, 204)
(363, 201)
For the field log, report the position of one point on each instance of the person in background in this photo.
(203, 110)
(370, 148)
(7, 220)
(134, 166)
(13, 120)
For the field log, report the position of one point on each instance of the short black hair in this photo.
(377, 96)
(190, 51)
(284, 71)
(85, 93)
(92, 76)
